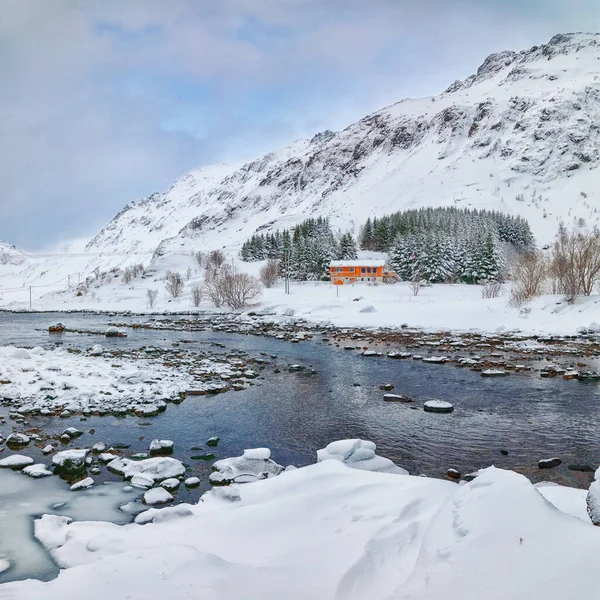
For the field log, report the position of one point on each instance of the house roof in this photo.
(357, 263)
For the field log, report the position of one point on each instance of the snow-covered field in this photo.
(456, 307)
(328, 531)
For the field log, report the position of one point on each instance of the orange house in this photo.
(352, 271)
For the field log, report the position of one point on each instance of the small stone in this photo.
(583, 468)
(549, 463)
(72, 432)
(170, 484)
(453, 474)
(213, 441)
(192, 482)
(84, 484)
(504, 452)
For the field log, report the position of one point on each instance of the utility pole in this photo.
(69, 281)
(29, 297)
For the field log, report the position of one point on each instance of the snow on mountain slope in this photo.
(10, 255)
(521, 135)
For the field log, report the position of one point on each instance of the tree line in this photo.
(433, 244)
(305, 252)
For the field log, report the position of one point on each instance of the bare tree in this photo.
(416, 283)
(137, 269)
(200, 258)
(491, 289)
(529, 277)
(127, 275)
(216, 258)
(269, 273)
(188, 273)
(239, 289)
(576, 261)
(197, 294)
(174, 283)
(151, 296)
(214, 290)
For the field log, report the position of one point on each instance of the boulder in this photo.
(17, 440)
(37, 471)
(157, 468)
(170, 484)
(16, 461)
(161, 447)
(157, 495)
(70, 461)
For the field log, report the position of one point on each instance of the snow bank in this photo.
(329, 532)
(359, 454)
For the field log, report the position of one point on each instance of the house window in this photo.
(363, 270)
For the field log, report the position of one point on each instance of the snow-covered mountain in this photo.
(520, 135)
(10, 255)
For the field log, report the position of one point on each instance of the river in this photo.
(296, 413)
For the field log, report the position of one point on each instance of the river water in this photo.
(295, 414)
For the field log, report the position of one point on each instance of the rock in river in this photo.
(157, 495)
(70, 461)
(37, 471)
(438, 406)
(396, 398)
(161, 447)
(549, 463)
(17, 439)
(16, 461)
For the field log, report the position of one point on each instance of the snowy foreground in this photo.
(329, 531)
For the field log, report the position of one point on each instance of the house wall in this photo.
(354, 274)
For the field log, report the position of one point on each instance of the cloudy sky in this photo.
(105, 102)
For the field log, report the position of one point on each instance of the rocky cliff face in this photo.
(521, 135)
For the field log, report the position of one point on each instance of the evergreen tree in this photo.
(347, 249)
